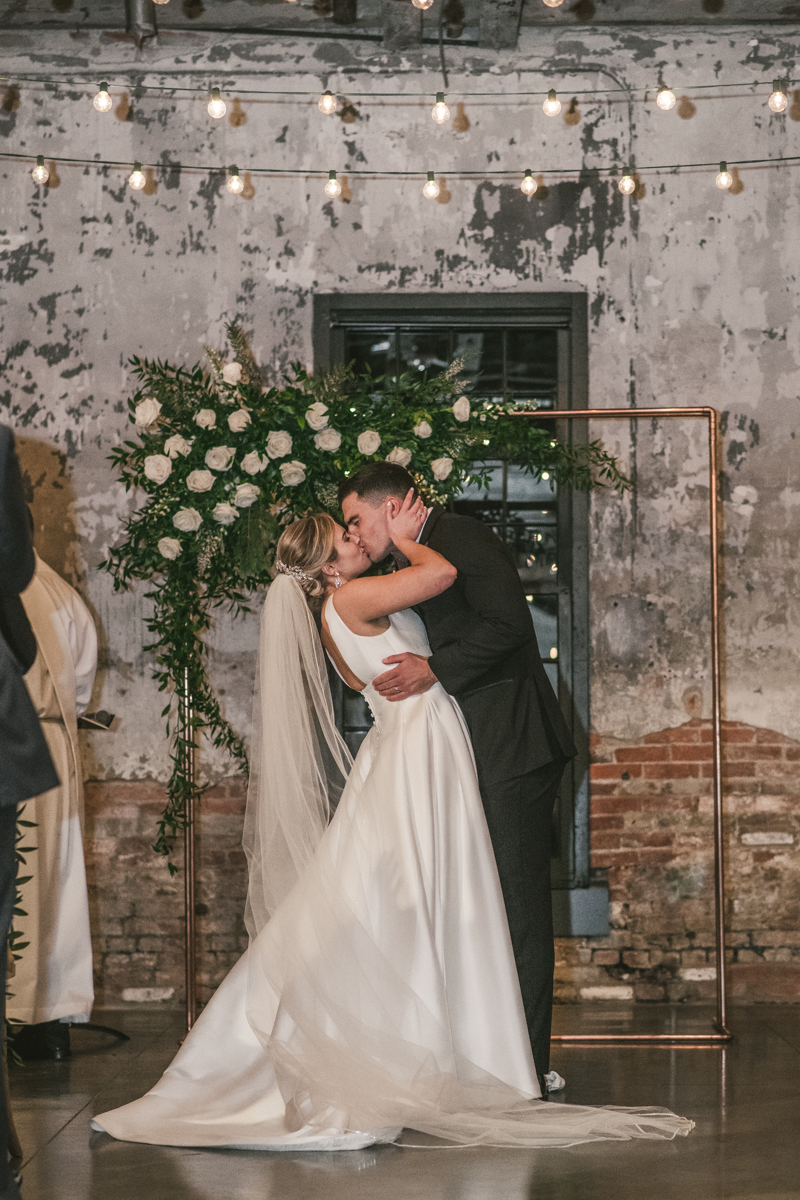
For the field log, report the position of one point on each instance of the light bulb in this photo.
(40, 173)
(102, 101)
(424, 5)
(440, 112)
(724, 178)
(665, 98)
(160, 1)
(216, 105)
(327, 103)
(778, 101)
(528, 185)
(431, 189)
(552, 105)
(333, 188)
(136, 179)
(554, 3)
(627, 184)
(234, 184)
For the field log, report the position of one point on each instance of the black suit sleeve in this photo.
(17, 563)
(500, 622)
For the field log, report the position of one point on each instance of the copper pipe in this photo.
(711, 416)
(187, 733)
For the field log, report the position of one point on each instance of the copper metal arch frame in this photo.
(710, 415)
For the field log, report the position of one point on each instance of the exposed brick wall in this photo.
(651, 830)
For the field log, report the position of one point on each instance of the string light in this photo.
(327, 102)
(333, 188)
(424, 5)
(102, 101)
(528, 185)
(665, 98)
(216, 105)
(160, 1)
(778, 101)
(552, 105)
(440, 112)
(234, 184)
(40, 173)
(627, 184)
(431, 188)
(554, 3)
(724, 178)
(136, 179)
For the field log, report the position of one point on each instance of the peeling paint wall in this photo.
(693, 297)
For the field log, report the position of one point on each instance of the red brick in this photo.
(615, 804)
(632, 838)
(665, 803)
(636, 959)
(604, 823)
(605, 841)
(731, 734)
(683, 733)
(631, 858)
(643, 754)
(771, 737)
(792, 753)
(671, 770)
(603, 789)
(696, 753)
(605, 958)
(613, 771)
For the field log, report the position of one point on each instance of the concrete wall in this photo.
(692, 297)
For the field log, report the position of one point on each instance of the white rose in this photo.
(252, 463)
(238, 420)
(400, 456)
(461, 409)
(279, 444)
(442, 467)
(206, 418)
(232, 373)
(219, 458)
(176, 445)
(293, 473)
(200, 481)
(146, 412)
(369, 441)
(157, 467)
(169, 547)
(316, 415)
(423, 430)
(246, 494)
(225, 513)
(188, 520)
(328, 439)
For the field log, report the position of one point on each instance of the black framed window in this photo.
(530, 348)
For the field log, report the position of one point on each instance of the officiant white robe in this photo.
(53, 978)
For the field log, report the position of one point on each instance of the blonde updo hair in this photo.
(303, 550)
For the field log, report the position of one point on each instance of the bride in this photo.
(379, 989)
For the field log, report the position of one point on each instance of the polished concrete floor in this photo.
(745, 1100)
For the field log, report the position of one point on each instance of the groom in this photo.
(484, 653)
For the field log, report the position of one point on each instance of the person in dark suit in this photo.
(485, 654)
(27, 769)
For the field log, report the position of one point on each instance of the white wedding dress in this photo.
(382, 993)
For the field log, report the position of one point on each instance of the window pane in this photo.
(424, 350)
(532, 364)
(481, 351)
(544, 612)
(373, 348)
(526, 488)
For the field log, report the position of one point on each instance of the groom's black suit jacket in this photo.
(485, 654)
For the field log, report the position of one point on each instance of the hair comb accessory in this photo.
(296, 573)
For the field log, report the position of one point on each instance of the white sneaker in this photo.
(555, 1082)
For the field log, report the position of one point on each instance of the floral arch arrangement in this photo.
(224, 463)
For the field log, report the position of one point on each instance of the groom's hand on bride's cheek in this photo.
(409, 677)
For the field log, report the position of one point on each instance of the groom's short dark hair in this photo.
(377, 480)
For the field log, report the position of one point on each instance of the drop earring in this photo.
(337, 580)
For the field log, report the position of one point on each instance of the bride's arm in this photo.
(428, 574)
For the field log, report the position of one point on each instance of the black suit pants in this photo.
(519, 814)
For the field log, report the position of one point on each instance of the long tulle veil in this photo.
(299, 761)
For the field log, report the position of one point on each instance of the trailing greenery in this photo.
(225, 462)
